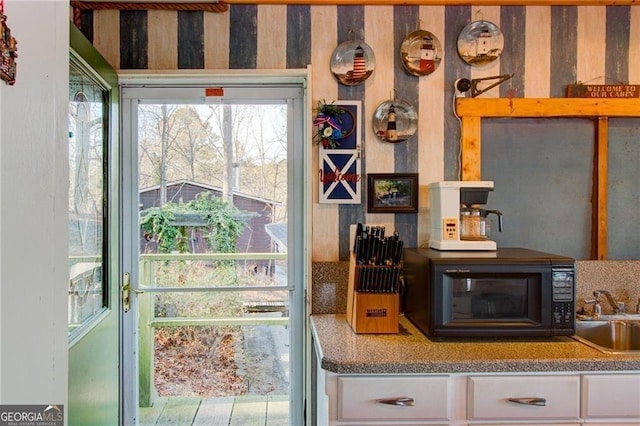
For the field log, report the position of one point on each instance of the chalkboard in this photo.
(542, 169)
(543, 174)
(623, 240)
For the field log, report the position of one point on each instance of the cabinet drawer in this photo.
(489, 397)
(611, 396)
(359, 398)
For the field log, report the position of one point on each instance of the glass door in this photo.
(216, 241)
(94, 246)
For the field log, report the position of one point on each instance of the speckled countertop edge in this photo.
(342, 351)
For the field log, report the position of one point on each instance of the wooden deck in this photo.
(252, 410)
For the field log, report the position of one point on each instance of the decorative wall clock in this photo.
(421, 53)
(480, 43)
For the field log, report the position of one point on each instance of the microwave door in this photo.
(462, 299)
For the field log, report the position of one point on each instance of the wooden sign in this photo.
(610, 91)
(340, 167)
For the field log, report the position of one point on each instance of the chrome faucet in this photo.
(618, 307)
(597, 307)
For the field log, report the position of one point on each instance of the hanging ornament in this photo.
(352, 61)
(395, 120)
(421, 53)
(480, 43)
(8, 50)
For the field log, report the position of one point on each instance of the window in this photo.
(88, 102)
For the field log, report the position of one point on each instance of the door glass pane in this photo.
(214, 315)
(87, 115)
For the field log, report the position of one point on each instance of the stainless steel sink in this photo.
(612, 336)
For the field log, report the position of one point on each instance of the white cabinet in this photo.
(393, 398)
(611, 396)
(463, 399)
(524, 398)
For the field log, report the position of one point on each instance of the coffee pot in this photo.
(475, 225)
(457, 221)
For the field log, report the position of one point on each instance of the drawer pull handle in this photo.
(403, 402)
(541, 402)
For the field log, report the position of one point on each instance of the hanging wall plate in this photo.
(395, 121)
(421, 53)
(352, 62)
(480, 43)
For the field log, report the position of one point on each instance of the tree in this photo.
(202, 143)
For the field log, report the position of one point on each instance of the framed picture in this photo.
(392, 193)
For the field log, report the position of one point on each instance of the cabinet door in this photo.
(372, 398)
(611, 395)
(523, 397)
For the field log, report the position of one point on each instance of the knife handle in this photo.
(401, 401)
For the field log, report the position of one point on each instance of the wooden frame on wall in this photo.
(402, 198)
(472, 110)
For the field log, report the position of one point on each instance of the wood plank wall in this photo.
(546, 48)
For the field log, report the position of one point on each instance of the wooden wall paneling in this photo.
(430, 123)
(406, 19)
(134, 39)
(617, 41)
(86, 24)
(633, 59)
(107, 36)
(564, 43)
(216, 40)
(243, 37)
(191, 39)
(590, 39)
(272, 37)
(378, 155)
(163, 39)
(599, 244)
(537, 61)
(512, 21)
(350, 26)
(455, 19)
(324, 216)
(298, 36)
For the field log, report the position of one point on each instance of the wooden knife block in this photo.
(370, 313)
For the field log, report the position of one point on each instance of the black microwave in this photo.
(509, 292)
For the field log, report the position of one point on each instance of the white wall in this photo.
(33, 205)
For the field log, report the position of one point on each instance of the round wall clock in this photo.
(421, 53)
(480, 43)
(352, 62)
(395, 121)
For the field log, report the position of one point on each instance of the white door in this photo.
(215, 230)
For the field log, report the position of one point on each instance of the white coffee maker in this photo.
(457, 220)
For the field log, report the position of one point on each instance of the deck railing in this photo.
(148, 322)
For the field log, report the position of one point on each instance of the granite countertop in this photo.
(342, 351)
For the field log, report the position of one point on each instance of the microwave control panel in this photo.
(563, 295)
